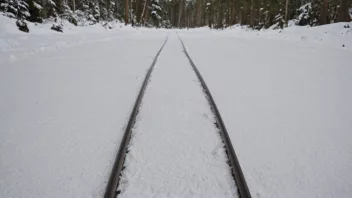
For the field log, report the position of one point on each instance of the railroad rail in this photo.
(112, 185)
(234, 164)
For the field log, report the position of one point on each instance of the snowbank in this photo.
(15, 45)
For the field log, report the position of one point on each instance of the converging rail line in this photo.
(182, 132)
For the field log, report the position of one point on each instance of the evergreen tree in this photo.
(256, 14)
(16, 9)
(35, 10)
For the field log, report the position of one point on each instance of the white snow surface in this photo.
(285, 97)
(286, 100)
(176, 150)
(63, 110)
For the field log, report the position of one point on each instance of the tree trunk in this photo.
(138, 11)
(221, 15)
(198, 12)
(44, 11)
(252, 14)
(228, 12)
(323, 13)
(210, 15)
(174, 22)
(180, 11)
(172, 16)
(233, 14)
(344, 15)
(127, 11)
(116, 9)
(145, 9)
(188, 18)
(286, 13)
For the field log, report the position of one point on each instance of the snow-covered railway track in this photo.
(111, 188)
(237, 173)
(174, 150)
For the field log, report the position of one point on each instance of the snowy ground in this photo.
(62, 111)
(285, 98)
(176, 150)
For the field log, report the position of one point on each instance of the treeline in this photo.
(78, 12)
(88, 12)
(257, 14)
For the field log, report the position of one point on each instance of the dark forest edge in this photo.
(218, 14)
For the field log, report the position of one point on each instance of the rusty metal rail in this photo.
(111, 188)
(234, 164)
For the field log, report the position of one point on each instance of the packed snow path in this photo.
(175, 148)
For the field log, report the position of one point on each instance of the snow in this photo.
(156, 7)
(52, 3)
(15, 44)
(306, 7)
(285, 97)
(176, 149)
(4, 5)
(37, 5)
(9, 14)
(286, 102)
(63, 110)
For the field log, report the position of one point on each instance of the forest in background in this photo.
(257, 14)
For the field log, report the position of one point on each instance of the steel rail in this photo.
(234, 164)
(112, 185)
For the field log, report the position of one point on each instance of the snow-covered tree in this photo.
(69, 15)
(305, 14)
(15, 8)
(51, 9)
(256, 14)
(35, 10)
